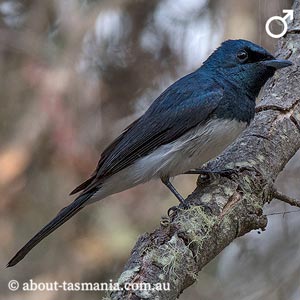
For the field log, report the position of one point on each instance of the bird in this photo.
(190, 123)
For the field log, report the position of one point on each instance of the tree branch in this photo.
(222, 208)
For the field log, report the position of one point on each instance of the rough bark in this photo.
(224, 208)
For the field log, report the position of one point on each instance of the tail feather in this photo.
(64, 215)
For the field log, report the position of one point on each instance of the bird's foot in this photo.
(172, 210)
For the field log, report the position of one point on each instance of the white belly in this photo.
(190, 151)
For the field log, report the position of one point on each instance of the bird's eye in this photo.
(242, 55)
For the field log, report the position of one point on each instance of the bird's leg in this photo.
(223, 172)
(166, 181)
(169, 185)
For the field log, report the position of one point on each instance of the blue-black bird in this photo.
(190, 123)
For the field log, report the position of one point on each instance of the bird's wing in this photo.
(103, 157)
(164, 122)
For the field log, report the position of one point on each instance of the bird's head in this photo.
(244, 63)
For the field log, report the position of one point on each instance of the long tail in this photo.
(64, 215)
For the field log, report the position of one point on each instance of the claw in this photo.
(174, 209)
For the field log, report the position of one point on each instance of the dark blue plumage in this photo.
(191, 100)
(190, 123)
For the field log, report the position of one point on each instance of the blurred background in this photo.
(73, 74)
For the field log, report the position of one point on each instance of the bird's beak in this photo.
(277, 63)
